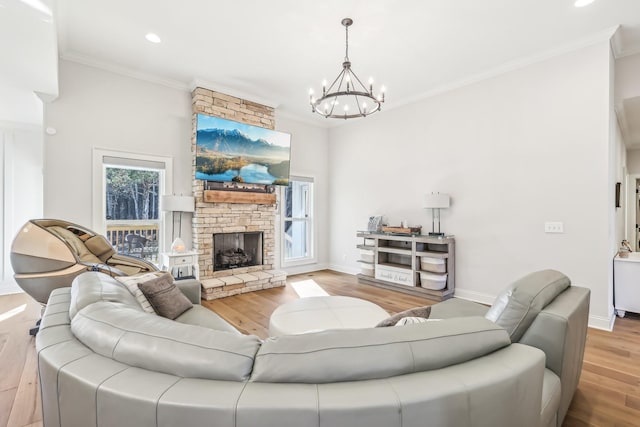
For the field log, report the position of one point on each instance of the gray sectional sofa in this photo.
(104, 362)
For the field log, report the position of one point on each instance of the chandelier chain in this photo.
(346, 49)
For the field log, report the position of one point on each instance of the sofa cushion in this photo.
(516, 307)
(94, 286)
(132, 282)
(165, 298)
(423, 312)
(362, 354)
(151, 342)
(201, 316)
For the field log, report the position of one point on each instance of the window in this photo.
(297, 234)
(132, 215)
(127, 202)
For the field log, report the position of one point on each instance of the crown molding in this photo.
(625, 53)
(46, 98)
(616, 46)
(602, 36)
(206, 84)
(123, 71)
(171, 83)
(284, 114)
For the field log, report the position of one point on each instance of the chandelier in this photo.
(347, 97)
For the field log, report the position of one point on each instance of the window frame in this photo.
(310, 220)
(99, 193)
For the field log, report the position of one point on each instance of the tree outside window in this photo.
(132, 211)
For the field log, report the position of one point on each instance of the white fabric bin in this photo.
(366, 269)
(366, 255)
(435, 282)
(434, 265)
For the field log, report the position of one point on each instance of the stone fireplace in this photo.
(236, 250)
(233, 214)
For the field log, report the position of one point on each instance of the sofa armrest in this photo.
(190, 288)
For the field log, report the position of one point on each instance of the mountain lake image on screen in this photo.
(228, 151)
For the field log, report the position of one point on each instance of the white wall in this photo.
(100, 109)
(514, 151)
(19, 105)
(633, 162)
(21, 155)
(621, 177)
(309, 158)
(626, 77)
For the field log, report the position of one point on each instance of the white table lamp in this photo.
(172, 203)
(435, 202)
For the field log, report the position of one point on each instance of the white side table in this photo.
(171, 260)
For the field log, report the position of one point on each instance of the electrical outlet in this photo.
(554, 227)
(344, 257)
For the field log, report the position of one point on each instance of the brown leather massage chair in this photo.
(48, 254)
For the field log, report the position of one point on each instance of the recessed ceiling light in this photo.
(582, 3)
(153, 38)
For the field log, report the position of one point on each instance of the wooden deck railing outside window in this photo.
(135, 238)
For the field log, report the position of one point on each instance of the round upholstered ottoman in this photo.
(325, 312)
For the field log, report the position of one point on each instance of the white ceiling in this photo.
(274, 51)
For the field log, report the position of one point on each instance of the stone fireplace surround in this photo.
(213, 218)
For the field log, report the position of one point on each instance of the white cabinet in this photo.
(627, 283)
(415, 264)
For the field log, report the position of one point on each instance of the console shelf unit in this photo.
(397, 258)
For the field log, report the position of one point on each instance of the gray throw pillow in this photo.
(412, 312)
(516, 307)
(165, 298)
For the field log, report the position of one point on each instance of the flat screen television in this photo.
(228, 151)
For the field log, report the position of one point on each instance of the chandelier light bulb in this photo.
(347, 87)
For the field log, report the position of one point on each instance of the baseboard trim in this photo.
(344, 269)
(602, 322)
(303, 269)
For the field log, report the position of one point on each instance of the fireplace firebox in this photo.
(236, 250)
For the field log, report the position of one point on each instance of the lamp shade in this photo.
(436, 201)
(171, 203)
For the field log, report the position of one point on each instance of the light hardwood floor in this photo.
(608, 394)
